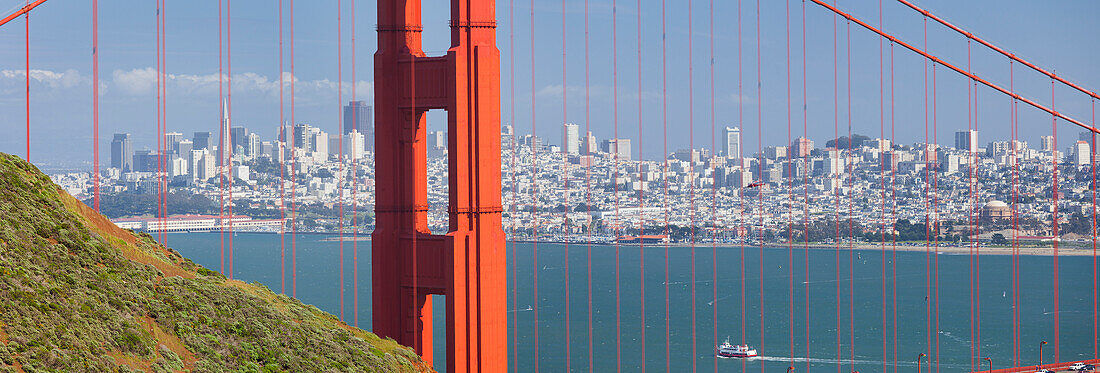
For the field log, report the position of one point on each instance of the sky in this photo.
(675, 99)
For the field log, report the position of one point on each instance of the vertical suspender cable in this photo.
(512, 169)
(936, 213)
(164, 105)
(354, 182)
(805, 198)
(27, 74)
(282, 163)
(893, 218)
(971, 163)
(929, 229)
(664, 175)
(1095, 339)
(790, 177)
(340, 145)
(887, 156)
(850, 170)
(1054, 224)
(293, 171)
(588, 187)
(229, 110)
(160, 129)
(740, 182)
(641, 193)
(714, 192)
(221, 134)
(615, 182)
(839, 191)
(691, 176)
(1015, 221)
(534, 194)
(95, 104)
(565, 194)
(760, 163)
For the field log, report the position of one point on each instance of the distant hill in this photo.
(79, 294)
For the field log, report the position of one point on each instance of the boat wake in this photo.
(815, 360)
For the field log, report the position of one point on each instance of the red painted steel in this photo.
(27, 75)
(468, 263)
(999, 50)
(22, 11)
(954, 68)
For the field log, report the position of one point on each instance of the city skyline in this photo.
(128, 98)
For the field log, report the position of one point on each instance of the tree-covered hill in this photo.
(78, 294)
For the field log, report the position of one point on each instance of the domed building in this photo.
(996, 210)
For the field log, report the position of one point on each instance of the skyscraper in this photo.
(173, 140)
(201, 141)
(360, 117)
(966, 140)
(303, 137)
(571, 138)
(225, 145)
(122, 152)
(589, 144)
(1046, 143)
(239, 136)
(733, 142)
(801, 147)
(621, 147)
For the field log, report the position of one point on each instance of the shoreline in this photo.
(946, 250)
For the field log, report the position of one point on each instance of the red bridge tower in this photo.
(467, 265)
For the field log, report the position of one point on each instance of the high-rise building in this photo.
(303, 138)
(319, 140)
(571, 138)
(966, 140)
(801, 147)
(145, 161)
(775, 152)
(589, 144)
(173, 140)
(225, 145)
(183, 149)
(732, 146)
(239, 137)
(252, 146)
(1082, 153)
(353, 145)
(122, 152)
(1046, 143)
(201, 141)
(621, 147)
(358, 116)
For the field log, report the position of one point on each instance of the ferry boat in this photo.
(738, 351)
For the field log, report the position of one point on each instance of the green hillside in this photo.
(78, 294)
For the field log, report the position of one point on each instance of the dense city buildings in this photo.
(750, 196)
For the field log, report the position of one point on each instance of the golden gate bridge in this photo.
(468, 263)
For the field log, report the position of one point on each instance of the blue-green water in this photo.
(257, 260)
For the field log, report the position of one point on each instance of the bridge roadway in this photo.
(1054, 367)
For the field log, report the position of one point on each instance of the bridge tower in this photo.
(467, 264)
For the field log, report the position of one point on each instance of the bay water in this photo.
(798, 328)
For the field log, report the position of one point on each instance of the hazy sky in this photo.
(1057, 35)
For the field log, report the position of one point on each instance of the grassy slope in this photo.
(79, 294)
